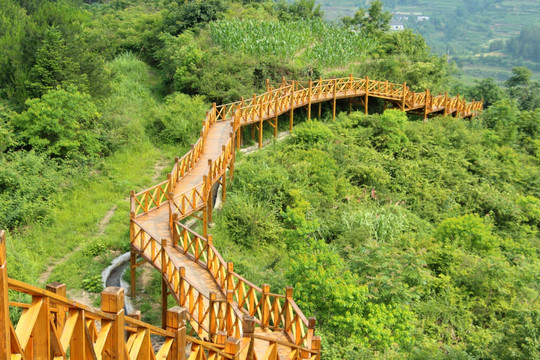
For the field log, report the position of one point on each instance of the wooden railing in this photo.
(48, 325)
(280, 313)
(272, 311)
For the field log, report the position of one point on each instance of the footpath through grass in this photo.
(72, 245)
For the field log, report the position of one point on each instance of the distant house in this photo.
(422, 18)
(396, 26)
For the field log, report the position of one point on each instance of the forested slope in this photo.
(405, 239)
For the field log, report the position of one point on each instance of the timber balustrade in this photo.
(240, 298)
(276, 101)
(48, 325)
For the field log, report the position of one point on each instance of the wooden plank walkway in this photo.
(218, 299)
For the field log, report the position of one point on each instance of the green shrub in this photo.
(312, 132)
(61, 124)
(27, 180)
(249, 223)
(94, 249)
(389, 130)
(469, 231)
(179, 120)
(93, 284)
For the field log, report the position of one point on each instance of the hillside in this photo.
(472, 33)
(406, 237)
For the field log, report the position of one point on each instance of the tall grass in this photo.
(76, 213)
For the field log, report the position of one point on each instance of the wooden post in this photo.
(351, 79)
(212, 327)
(404, 96)
(319, 96)
(267, 85)
(276, 116)
(230, 270)
(457, 106)
(366, 96)
(446, 103)
(133, 268)
(60, 316)
(309, 99)
(181, 285)
(260, 126)
(334, 102)
(427, 107)
(248, 327)
(291, 113)
(265, 310)
(221, 337)
(288, 300)
(205, 208)
(232, 347)
(224, 187)
(316, 345)
(164, 288)
(229, 322)
(112, 302)
(210, 192)
(210, 241)
(5, 328)
(350, 106)
(176, 322)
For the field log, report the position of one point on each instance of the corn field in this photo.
(312, 41)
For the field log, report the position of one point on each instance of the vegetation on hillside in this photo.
(485, 38)
(404, 239)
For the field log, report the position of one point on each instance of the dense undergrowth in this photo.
(402, 238)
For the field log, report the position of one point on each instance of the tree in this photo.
(62, 124)
(486, 89)
(54, 67)
(300, 9)
(183, 15)
(523, 89)
(372, 22)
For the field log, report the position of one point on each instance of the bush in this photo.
(27, 180)
(312, 132)
(179, 120)
(93, 284)
(469, 231)
(389, 130)
(62, 124)
(94, 249)
(249, 222)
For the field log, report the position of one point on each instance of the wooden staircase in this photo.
(231, 317)
(217, 298)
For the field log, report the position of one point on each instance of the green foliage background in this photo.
(405, 239)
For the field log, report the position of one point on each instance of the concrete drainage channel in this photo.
(113, 274)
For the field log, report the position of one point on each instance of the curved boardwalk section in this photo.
(219, 302)
(230, 317)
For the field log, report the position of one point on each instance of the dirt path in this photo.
(101, 230)
(158, 169)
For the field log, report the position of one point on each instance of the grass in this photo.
(477, 30)
(74, 220)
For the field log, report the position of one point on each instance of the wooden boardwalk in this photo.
(218, 300)
(231, 317)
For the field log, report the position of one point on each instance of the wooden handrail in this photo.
(274, 311)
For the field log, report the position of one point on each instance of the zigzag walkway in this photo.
(219, 301)
(232, 318)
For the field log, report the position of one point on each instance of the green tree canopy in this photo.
(62, 124)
